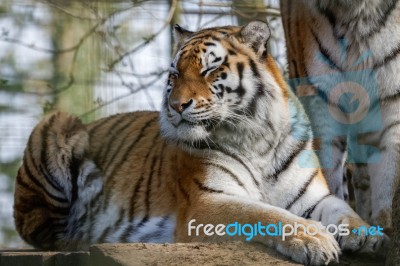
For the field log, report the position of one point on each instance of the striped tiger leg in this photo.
(332, 146)
(383, 181)
(334, 153)
(330, 210)
(219, 208)
(360, 181)
(383, 171)
(47, 181)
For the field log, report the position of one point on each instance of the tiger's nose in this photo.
(181, 105)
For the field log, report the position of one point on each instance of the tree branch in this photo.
(149, 39)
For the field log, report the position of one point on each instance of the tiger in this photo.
(225, 148)
(351, 44)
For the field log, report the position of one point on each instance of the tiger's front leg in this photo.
(213, 207)
(384, 176)
(381, 173)
(330, 210)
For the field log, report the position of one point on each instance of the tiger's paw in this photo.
(318, 249)
(361, 240)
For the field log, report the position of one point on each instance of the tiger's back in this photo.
(119, 169)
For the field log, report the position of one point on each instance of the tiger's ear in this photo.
(256, 34)
(180, 36)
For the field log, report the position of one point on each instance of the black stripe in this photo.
(94, 174)
(252, 107)
(43, 167)
(115, 226)
(203, 145)
(128, 150)
(44, 153)
(93, 210)
(231, 52)
(43, 235)
(296, 70)
(143, 222)
(183, 192)
(337, 190)
(205, 188)
(40, 167)
(260, 90)
(390, 98)
(101, 122)
(130, 230)
(227, 171)
(302, 190)
(113, 135)
(82, 219)
(340, 144)
(337, 165)
(160, 165)
(240, 90)
(330, 15)
(254, 69)
(138, 185)
(74, 169)
(118, 223)
(21, 183)
(203, 73)
(31, 176)
(50, 179)
(105, 233)
(389, 57)
(209, 44)
(111, 158)
(140, 136)
(149, 182)
(388, 128)
(309, 211)
(39, 202)
(234, 156)
(42, 187)
(326, 12)
(325, 52)
(161, 223)
(217, 59)
(226, 63)
(382, 21)
(289, 159)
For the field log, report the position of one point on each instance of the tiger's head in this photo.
(214, 80)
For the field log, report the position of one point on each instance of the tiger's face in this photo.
(215, 75)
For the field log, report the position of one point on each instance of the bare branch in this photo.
(149, 39)
(66, 11)
(131, 91)
(267, 12)
(92, 30)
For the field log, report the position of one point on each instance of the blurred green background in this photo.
(93, 59)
